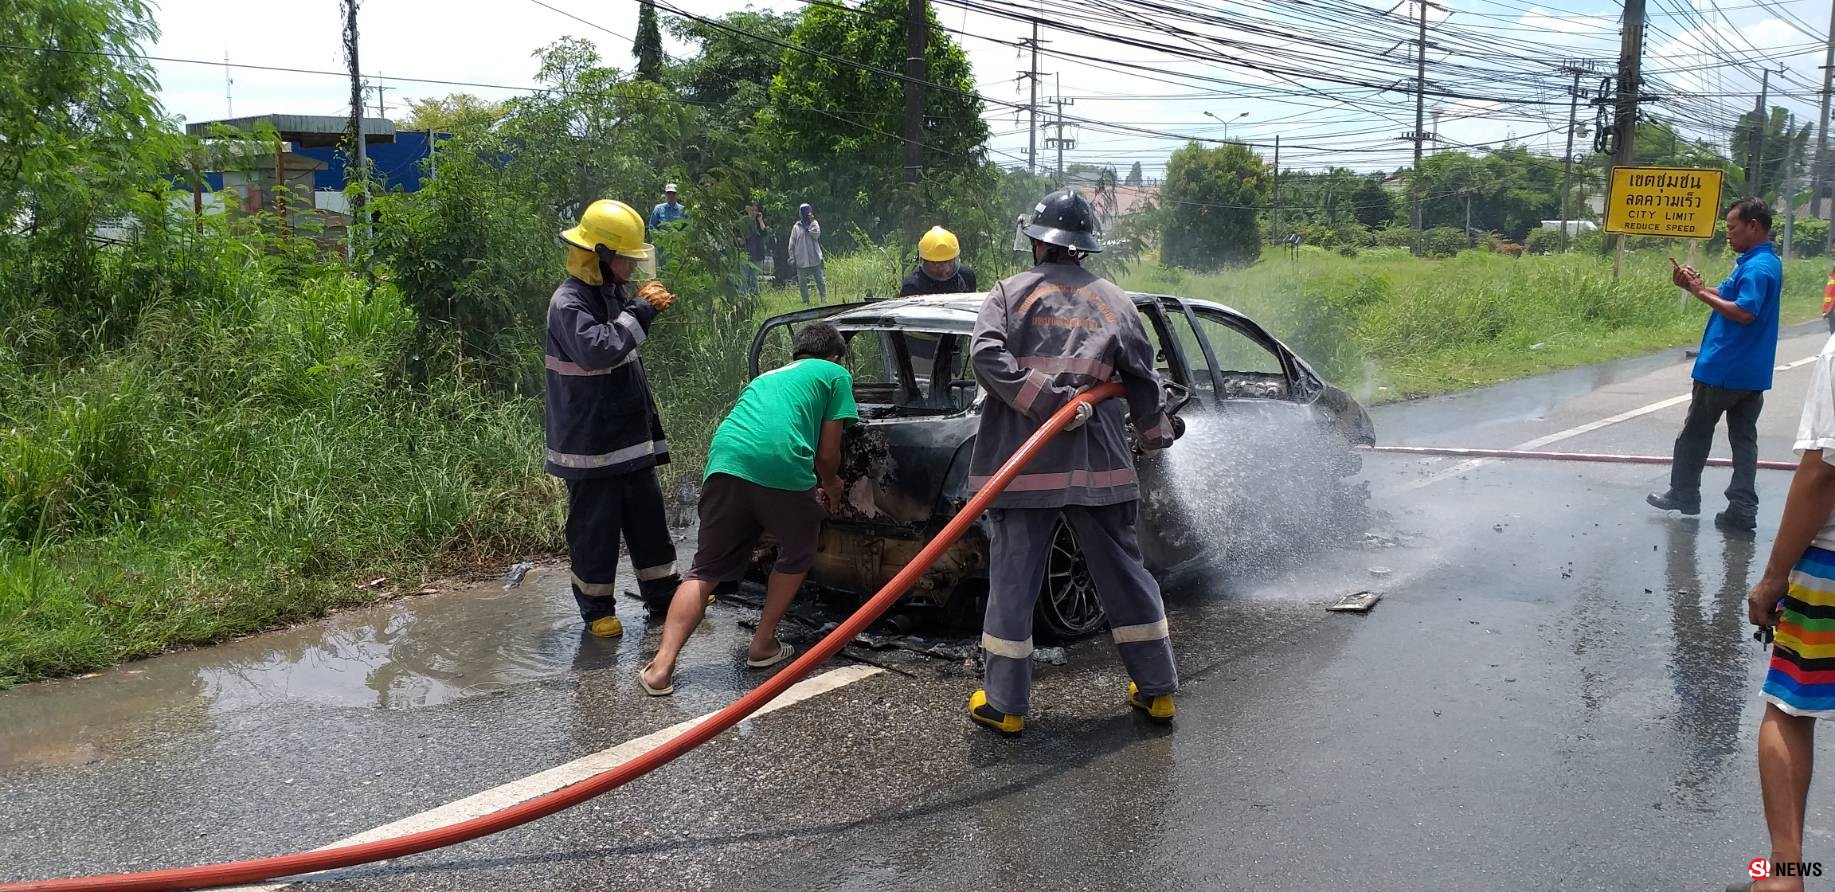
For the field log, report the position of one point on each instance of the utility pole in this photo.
(1032, 74)
(1060, 141)
(1755, 161)
(1275, 210)
(1567, 161)
(1819, 176)
(917, 28)
(1784, 184)
(229, 89)
(382, 108)
(1624, 120)
(359, 202)
(1420, 119)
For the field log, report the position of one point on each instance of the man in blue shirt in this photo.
(669, 211)
(1733, 371)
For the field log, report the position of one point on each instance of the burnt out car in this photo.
(905, 466)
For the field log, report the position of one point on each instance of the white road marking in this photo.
(1539, 442)
(548, 781)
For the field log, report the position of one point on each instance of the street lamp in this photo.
(1226, 123)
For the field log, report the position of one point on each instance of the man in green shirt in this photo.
(767, 458)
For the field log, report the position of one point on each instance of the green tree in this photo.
(647, 46)
(1371, 204)
(734, 65)
(1769, 150)
(1134, 175)
(453, 113)
(835, 128)
(1213, 199)
(82, 143)
(80, 131)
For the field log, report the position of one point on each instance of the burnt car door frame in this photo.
(787, 319)
(1153, 306)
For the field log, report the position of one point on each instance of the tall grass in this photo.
(240, 455)
(1391, 326)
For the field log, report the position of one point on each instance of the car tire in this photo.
(1068, 607)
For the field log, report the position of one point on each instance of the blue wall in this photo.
(398, 165)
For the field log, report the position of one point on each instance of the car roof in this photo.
(958, 311)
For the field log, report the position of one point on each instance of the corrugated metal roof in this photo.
(307, 130)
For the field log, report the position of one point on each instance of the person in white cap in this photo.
(669, 211)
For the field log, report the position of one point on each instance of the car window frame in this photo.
(1289, 370)
(1154, 309)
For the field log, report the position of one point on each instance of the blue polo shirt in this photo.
(1741, 357)
(667, 213)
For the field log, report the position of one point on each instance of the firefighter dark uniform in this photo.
(939, 246)
(1042, 336)
(603, 434)
(920, 282)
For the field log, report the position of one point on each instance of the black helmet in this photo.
(1066, 219)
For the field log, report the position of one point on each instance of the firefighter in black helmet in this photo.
(1043, 336)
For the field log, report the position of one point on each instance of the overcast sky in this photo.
(492, 43)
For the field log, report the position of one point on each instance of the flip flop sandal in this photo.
(784, 652)
(663, 691)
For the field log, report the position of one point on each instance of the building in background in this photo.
(309, 159)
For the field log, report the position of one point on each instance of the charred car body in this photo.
(905, 466)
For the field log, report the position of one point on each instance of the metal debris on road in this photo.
(1355, 602)
(1380, 572)
(514, 577)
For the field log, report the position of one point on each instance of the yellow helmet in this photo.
(615, 225)
(938, 244)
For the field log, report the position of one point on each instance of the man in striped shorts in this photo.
(1796, 596)
(1042, 336)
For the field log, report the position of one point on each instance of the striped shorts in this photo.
(1801, 680)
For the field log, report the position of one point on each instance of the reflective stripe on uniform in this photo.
(660, 571)
(1036, 382)
(631, 326)
(572, 369)
(1063, 480)
(1001, 647)
(595, 589)
(1072, 365)
(1144, 632)
(604, 460)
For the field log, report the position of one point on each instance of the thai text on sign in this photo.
(1668, 201)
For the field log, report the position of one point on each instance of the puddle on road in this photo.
(405, 654)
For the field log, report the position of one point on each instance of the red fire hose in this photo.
(1557, 456)
(236, 873)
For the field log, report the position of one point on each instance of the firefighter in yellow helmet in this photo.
(604, 437)
(940, 268)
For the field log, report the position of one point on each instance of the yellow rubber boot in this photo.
(1158, 709)
(984, 714)
(606, 627)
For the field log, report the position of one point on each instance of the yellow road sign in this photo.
(1679, 202)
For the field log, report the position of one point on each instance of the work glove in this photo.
(1084, 411)
(654, 294)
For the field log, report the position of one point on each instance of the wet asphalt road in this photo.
(1557, 691)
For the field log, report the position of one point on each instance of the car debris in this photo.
(518, 570)
(1355, 602)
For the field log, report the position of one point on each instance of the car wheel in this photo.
(1068, 607)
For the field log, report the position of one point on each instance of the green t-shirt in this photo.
(770, 437)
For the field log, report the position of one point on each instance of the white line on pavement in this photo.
(548, 781)
(1539, 442)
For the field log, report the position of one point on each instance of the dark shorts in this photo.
(733, 513)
